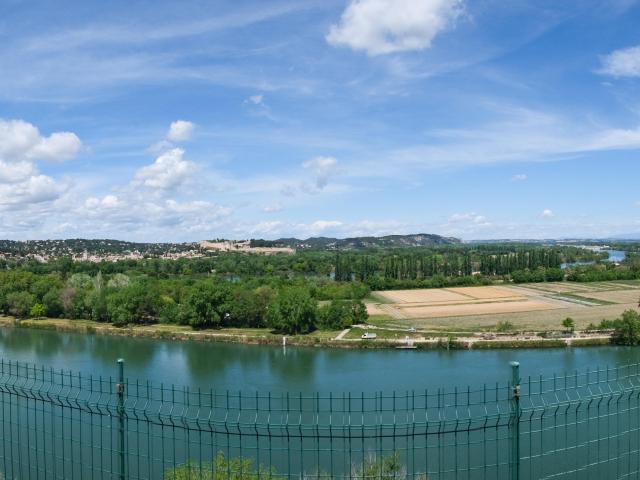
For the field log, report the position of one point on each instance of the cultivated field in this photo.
(540, 306)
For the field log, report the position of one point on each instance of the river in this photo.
(54, 424)
(616, 256)
(294, 369)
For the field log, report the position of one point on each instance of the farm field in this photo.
(540, 306)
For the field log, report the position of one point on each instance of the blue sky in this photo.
(178, 121)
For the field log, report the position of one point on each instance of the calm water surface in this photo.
(268, 368)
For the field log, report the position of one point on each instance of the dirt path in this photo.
(342, 334)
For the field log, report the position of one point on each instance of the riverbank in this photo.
(350, 338)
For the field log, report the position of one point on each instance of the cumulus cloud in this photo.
(21, 141)
(12, 172)
(323, 168)
(107, 202)
(35, 189)
(520, 177)
(622, 63)
(387, 26)
(180, 131)
(546, 213)
(168, 171)
(21, 146)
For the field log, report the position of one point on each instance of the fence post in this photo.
(120, 392)
(514, 422)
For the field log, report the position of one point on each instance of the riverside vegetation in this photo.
(291, 294)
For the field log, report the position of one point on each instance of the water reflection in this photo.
(294, 369)
(20, 341)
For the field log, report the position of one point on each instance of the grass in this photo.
(382, 320)
(375, 297)
(581, 298)
(173, 332)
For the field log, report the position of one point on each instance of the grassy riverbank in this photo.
(386, 338)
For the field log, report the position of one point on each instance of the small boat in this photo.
(369, 336)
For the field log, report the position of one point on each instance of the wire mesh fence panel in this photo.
(60, 424)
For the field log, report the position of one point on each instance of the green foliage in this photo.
(337, 314)
(221, 469)
(387, 468)
(37, 310)
(504, 326)
(206, 305)
(627, 329)
(239, 290)
(119, 280)
(293, 311)
(19, 303)
(569, 324)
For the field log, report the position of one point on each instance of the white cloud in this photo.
(520, 177)
(36, 189)
(256, 99)
(107, 202)
(272, 208)
(516, 135)
(622, 63)
(168, 171)
(387, 26)
(468, 217)
(21, 146)
(180, 131)
(21, 141)
(12, 172)
(322, 225)
(323, 169)
(546, 213)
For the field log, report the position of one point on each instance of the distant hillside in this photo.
(93, 249)
(355, 243)
(112, 250)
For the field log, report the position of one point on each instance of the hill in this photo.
(357, 243)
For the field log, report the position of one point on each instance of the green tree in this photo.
(37, 310)
(335, 315)
(359, 312)
(19, 303)
(52, 304)
(136, 303)
(206, 305)
(569, 324)
(293, 311)
(627, 329)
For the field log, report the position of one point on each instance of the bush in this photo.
(627, 329)
(504, 326)
(386, 468)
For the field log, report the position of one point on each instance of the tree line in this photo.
(202, 302)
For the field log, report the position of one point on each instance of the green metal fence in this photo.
(60, 424)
